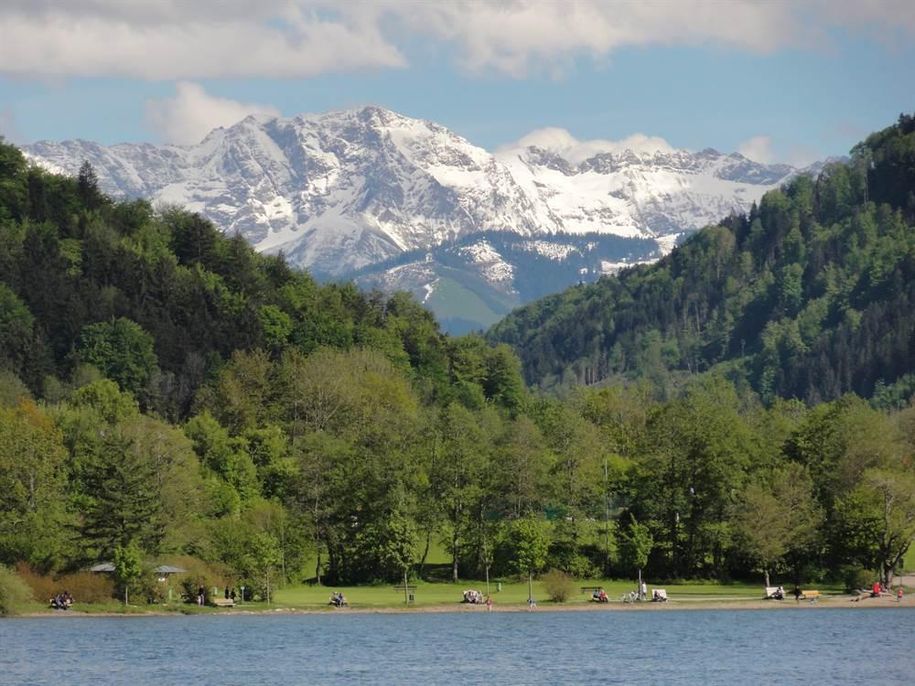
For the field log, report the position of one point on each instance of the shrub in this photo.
(42, 586)
(571, 562)
(149, 588)
(857, 578)
(199, 574)
(14, 592)
(85, 587)
(559, 585)
(190, 585)
(581, 567)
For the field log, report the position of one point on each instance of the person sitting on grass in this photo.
(62, 601)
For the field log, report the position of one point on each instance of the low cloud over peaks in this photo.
(192, 113)
(758, 149)
(575, 151)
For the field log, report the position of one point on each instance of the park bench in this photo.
(812, 596)
(222, 602)
(590, 589)
(409, 591)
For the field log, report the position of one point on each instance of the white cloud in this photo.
(515, 37)
(192, 113)
(8, 127)
(803, 155)
(194, 39)
(187, 40)
(576, 151)
(758, 149)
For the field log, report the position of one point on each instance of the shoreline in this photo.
(830, 602)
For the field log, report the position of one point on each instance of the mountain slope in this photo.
(346, 191)
(162, 302)
(474, 282)
(811, 295)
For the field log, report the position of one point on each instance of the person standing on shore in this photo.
(489, 603)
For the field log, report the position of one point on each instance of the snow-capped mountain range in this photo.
(398, 202)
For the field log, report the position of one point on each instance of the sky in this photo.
(777, 81)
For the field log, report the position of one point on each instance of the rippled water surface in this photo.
(809, 646)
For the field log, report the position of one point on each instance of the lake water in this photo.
(807, 646)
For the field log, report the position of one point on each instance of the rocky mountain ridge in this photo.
(346, 192)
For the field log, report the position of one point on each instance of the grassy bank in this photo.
(511, 593)
(442, 596)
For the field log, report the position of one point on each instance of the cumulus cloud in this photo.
(176, 39)
(758, 149)
(522, 35)
(187, 40)
(192, 113)
(564, 144)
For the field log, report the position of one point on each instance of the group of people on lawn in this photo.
(475, 597)
(62, 601)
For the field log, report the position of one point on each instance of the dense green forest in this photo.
(165, 391)
(810, 296)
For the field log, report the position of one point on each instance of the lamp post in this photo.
(606, 517)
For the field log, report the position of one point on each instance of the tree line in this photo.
(810, 295)
(165, 390)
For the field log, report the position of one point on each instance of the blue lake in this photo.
(807, 646)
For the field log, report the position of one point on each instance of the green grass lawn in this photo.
(311, 597)
(512, 593)
(909, 562)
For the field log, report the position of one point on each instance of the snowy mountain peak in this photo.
(344, 190)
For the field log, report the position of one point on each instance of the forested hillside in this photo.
(168, 394)
(809, 296)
